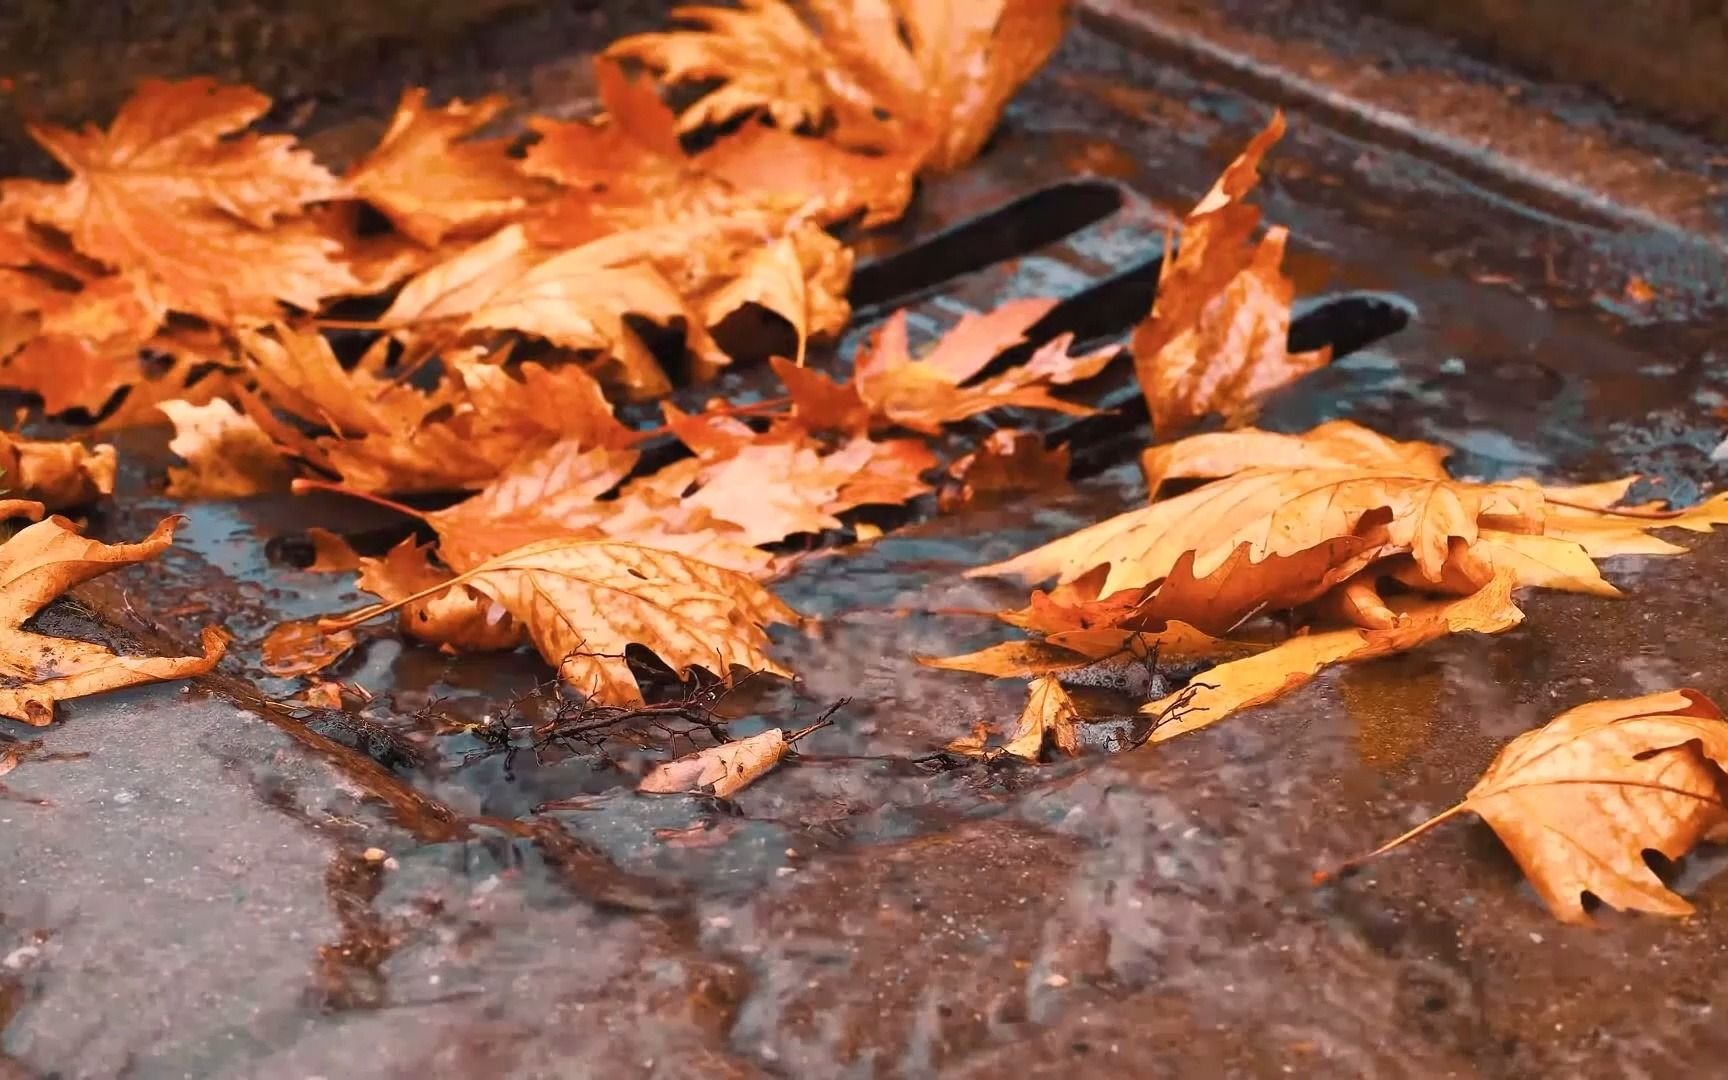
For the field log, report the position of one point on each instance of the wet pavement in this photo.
(224, 886)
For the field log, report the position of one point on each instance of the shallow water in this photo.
(193, 898)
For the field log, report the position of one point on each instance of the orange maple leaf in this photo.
(201, 216)
(922, 394)
(1217, 338)
(925, 79)
(1579, 801)
(430, 179)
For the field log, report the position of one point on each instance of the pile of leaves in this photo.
(466, 312)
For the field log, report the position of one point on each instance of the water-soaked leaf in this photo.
(39, 564)
(1579, 800)
(1268, 675)
(1048, 719)
(300, 647)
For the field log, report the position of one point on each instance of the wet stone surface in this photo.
(200, 895)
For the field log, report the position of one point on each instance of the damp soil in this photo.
(200, 880)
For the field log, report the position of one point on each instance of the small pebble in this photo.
(1056, 981)
(375, 854)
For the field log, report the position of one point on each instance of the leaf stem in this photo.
(1323, 876)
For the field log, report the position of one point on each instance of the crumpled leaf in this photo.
(584, 602)
(455, 618)
(1579, 800)
(200, 215)
(721, 770)
(57, 474)
(932, 92)
(430, 179)
(228, 454)
(1217, 338)
(39, 564)
(1049, 718)
(1265, 676)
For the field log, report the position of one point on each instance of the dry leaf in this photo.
(229, 455)
(1336, 443)
(1279, 513)
(200, 215)
(1217, 338)
(38, 565)
(1579, 800)
(923, 78)
(722, 770)
(479, 420)
(57, 474)
(431, 179)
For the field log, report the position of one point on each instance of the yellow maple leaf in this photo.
(1579, 800)
(37, 565)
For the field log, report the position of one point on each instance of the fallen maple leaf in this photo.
(57, 474)
(39, 564)
(924, 78)
(228, 454)
(1277, 512)
(198, 214)
(690, 273)
(1579, 800)
(584, 602)
(431, 179)
(476, 422)
(1217, 338)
